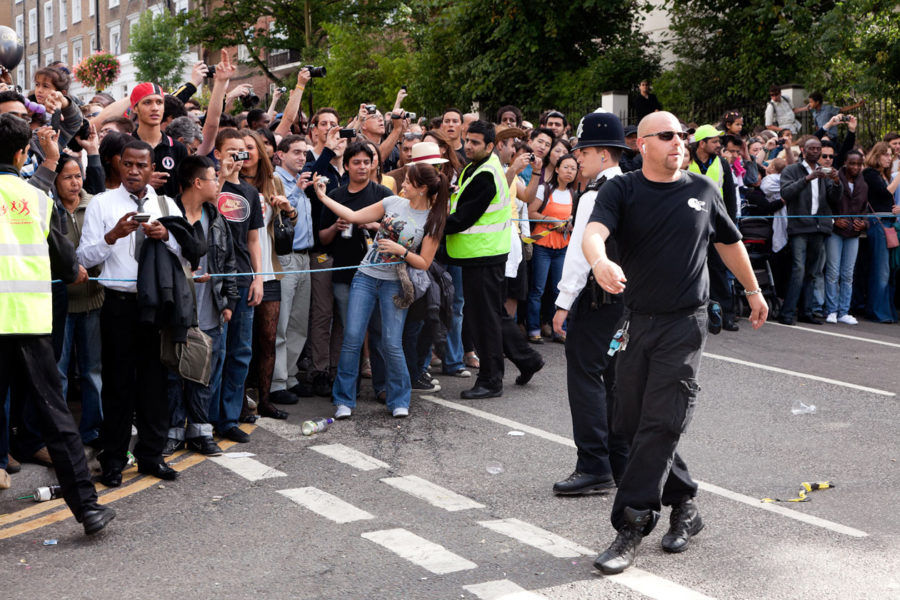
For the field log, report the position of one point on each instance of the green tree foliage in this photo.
(157, 47)
(532, 54)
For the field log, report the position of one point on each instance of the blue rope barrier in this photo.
(876, 215)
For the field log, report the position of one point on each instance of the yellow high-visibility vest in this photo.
(488, 236)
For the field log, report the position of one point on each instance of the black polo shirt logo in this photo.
(697, 205)
(168, 163)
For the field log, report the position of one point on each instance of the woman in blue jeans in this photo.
(415, 221)
(880, 298)
(550, 201)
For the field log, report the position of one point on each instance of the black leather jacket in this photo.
(220, 259)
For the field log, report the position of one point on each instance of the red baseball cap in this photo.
(142, 90)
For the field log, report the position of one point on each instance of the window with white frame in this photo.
(32, 68)
(48, 19)
(63, 14)
(20, 76)
(20, 26)
(91, 7)
(181, 6)
(76, 11)
(32, 25)
(115, 39)
(113, 3)
(93, 43)
(64, 54)
(48, 57)
(77, 52)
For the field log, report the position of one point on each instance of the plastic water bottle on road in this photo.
(799, 408)
(317, 425)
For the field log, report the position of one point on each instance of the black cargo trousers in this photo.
(656, 392)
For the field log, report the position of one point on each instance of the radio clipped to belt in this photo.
(619, 340)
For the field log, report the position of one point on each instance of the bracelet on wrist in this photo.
(749, 293)
(405, 254)
(596, 262)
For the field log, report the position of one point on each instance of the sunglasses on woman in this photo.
(667, 136)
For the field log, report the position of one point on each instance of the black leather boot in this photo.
(684, 522)
(620, 554)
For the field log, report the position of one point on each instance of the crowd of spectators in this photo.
(314, 248)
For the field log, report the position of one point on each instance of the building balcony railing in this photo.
(281, 58)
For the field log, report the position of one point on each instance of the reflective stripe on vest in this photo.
(26, 305)
(714, 172)
(488, 235)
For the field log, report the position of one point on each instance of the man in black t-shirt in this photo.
(662, 219)
(147, 101)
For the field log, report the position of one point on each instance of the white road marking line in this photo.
(282, 429)
(635, 579)
(840, 335)
(248, 468)
(538, 538)
(329, 506)
(420, 551)
(713, 489)
(349, 456)
(502, 589)
(432, 493)
(746, 363)
(781, 510)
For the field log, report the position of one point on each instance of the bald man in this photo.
(662, 219)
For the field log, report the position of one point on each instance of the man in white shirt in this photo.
(116, 224)
(593, 315)
(780, 113)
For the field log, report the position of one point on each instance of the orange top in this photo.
(559, 207)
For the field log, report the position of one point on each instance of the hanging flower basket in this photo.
(98, 70)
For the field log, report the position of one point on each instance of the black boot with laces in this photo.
(684, 522)
(620, 554)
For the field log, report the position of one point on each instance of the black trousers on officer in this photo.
(484, 292)
(719, 284)
(134, 384)
(590, 375)
(656, 383)
(28, 371)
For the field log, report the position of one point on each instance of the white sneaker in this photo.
(400, 412)
(848, 320)
(343, 412)
(461, 373)
(831, 318)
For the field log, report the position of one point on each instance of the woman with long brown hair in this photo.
(877, 174)
(451, 168)
(411, 229)
(257, 170)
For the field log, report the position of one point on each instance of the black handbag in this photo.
(283, 234)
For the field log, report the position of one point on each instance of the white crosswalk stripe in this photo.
(432, 493)
(282, 429)
(329, 506)
(420, 551)
(248, 468)
(634, 579)
(538, 538)
(502, 589)
(349, 456)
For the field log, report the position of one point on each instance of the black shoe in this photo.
(526, 374)
(302, 390)
(381, 397)
(236, 435)
(205, 446)
(160, 470)
(578, 484)
(111, 479)
(620, 554)
(730, 325)
(810, 318)
(684, 523)
(172, 446)
(423, 385)
(321, 384)
(96, 517)
(267, 410)
(786, 320)
(479, 392)
(283, 397)
(818, 314)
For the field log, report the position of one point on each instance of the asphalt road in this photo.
(450, 504)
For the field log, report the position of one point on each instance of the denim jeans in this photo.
(544, 262)
(840, 260)
(805, 251)
(225, 408)
(453, 355)
(194, 401)
(83, 336)
(366, 293)
(880, 299)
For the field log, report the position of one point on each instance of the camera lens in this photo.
(315, 71)
(211, 72)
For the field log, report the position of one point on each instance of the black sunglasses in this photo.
(667, 136)
(829, 156)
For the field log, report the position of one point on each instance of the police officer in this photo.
(27, 366)
(663, 220)
(478, 240)
(593, 315)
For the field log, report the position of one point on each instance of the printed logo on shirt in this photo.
(168, 163)
(233, 207)
(392, 228)
(697, 205)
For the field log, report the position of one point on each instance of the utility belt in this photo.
(598, 296)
